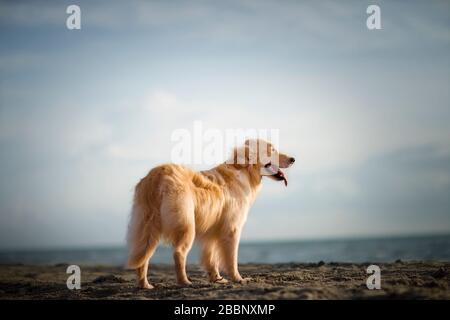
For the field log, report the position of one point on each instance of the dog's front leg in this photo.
(229, 251)
(210, 261)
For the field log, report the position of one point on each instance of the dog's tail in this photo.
(144, 229)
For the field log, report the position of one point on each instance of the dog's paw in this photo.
(220, 280)
(146, 286)
(184, 283)
(244, 280)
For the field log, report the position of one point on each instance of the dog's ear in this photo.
(245, 156)
(240, 158)
(259, 151)
(252, 151)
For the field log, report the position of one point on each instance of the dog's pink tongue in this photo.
(281, 175)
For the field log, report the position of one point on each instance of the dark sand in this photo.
(400, 280)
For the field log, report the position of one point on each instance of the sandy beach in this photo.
(400, 280)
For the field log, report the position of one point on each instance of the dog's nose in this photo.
(292, 160)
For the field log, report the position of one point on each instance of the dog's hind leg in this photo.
(178, 225)
(210, 262)
(142, 270)
(182, 245)
(142, 276)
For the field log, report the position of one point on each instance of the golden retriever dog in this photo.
(178, 205)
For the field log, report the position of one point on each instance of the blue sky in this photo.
(364, 112)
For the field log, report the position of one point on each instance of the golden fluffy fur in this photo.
(176, 204)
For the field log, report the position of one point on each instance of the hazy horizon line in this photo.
(254, 241)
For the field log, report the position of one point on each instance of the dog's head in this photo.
(261, 155)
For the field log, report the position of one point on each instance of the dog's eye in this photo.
(268, 165)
